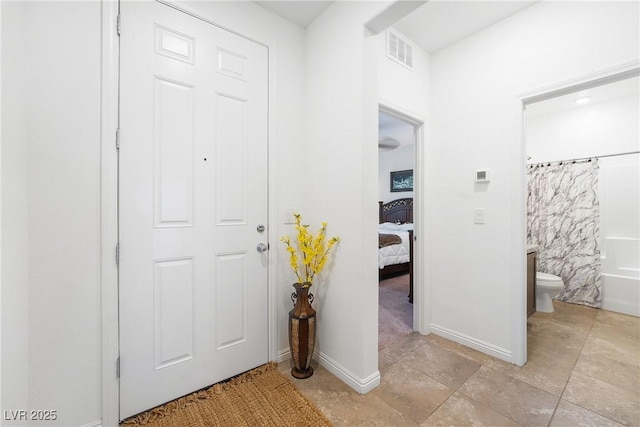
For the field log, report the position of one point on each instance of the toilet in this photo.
(547, 287)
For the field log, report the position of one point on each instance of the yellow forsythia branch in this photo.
(314, 251)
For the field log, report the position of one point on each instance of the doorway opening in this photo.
(398, 189)
(584, 133)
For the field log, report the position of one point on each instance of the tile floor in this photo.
(583, 370)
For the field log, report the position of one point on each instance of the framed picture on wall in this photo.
(402, 181)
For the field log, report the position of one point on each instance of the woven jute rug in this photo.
(260, 397)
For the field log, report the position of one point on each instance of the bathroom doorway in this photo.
(399, 212)
(581, 145)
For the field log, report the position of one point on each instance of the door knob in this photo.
(261, 247)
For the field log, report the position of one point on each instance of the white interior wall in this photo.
(14, 225)
(477, 124)
(0, 209)
(403, 88)
(64, 208)
(593, 130)
(402, 158)
(51, 211)
(51, 159)
(342, 187)
(586, 131)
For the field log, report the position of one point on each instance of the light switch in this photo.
(478, 216)
(288, 215)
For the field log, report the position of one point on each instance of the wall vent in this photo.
(399, 49)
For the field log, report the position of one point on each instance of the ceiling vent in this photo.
(399, 49)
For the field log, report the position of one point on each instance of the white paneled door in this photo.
(193, 194)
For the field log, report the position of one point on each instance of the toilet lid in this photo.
(546, 277)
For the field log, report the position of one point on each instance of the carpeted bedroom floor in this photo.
(395, 316)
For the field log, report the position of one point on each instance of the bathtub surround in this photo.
(619, 186)
(564, 220)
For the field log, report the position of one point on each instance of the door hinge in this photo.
(118, 254)
(118, 368)
(118, 139)
(118, 24)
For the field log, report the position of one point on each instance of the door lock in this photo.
(260, 228)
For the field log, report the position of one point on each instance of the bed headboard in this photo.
(396, 210)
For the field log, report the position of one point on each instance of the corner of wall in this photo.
(361, 385)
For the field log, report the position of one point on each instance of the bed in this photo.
(395, 254)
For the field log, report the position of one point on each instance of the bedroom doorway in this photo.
(397, 185)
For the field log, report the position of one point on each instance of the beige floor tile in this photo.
(401, 348)
(542, 370)
(543, 323)
(515, 399)
(391, 330)
(343, 406)
(461, 350)
(569, 415)
(593, 354)
(577, 317)
(630, 325)
(460, 410)
(555, 339)
(610, 370)
(577, 310)
(358, 410)
(605, 399)
(320, 383)
(624, 351)
(441, 364)
(616, 337)
(410, 392)
(543, 356)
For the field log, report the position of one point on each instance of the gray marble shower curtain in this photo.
(564, 221)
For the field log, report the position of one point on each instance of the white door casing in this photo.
(193, 190)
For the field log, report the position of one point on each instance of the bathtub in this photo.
(621, 275)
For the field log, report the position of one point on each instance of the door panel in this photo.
(174, 166)
(193, 174)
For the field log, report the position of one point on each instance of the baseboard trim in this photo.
(484, 347)
(361, 385)
(283, 355)
(97, 423)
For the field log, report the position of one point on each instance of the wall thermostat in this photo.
(482, 175)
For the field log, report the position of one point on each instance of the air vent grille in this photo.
(399, 49)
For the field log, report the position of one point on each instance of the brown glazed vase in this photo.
(302, 331)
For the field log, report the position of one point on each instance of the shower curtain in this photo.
(564, 222)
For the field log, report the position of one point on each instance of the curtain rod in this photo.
(588, 159)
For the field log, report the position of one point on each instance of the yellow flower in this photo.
(313, 250)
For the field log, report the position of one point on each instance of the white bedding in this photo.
(394, 254)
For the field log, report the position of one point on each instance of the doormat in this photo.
(260, 397)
